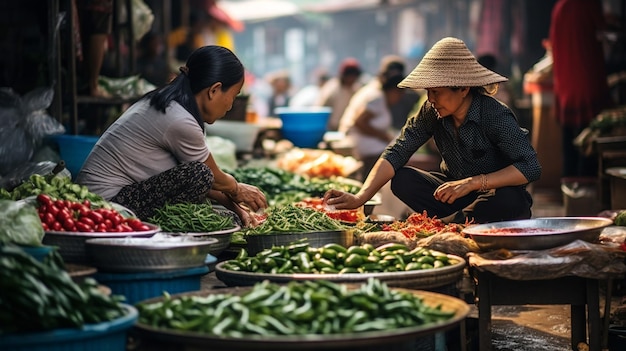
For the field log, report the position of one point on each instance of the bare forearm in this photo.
(508, 176)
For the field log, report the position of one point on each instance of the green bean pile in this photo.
(300, 257)
(190, 218)
(297, 308)
(294, 219)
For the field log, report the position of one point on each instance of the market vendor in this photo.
(487, 158)
(155, 152)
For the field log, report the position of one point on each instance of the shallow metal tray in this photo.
(159, 253)
(180, 340)
(419, 279)
(258, 243)
(558, 231)
(72, 244)
(223, 238)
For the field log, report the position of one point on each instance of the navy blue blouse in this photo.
(489, 139)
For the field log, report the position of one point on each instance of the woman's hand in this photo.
(341, 200)
(449, 192)
(249, 195)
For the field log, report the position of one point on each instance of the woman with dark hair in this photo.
(487, 159)
(156, 153)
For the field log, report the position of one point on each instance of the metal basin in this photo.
(158, 253)
(536, 234)
(223, 238)
(258, 243)
(72, 244)
(397, 339)
(419, 279)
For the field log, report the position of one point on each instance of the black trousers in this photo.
(415, 187)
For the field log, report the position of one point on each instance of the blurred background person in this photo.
(151, 63)
(309, 94)
(280, 82)
(367, 121)
(390, 66)
(580, 78)
(95, 18)
(338, 91)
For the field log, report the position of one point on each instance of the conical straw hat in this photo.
(449, 63)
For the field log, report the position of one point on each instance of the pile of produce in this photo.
(284, 187)
(190, 218)
(294, 219)
(36, 296)
(57, 187)
(317, 163)
(317, 203)
(419, 225)
(297, 308)
(300, 257)
(65, 215)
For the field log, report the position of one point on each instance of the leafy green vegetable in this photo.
(19, 224)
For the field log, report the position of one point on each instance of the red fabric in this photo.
(580, 80)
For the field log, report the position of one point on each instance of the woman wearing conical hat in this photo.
(487, 159)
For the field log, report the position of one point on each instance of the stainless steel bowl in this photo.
(397, 339)
(536, 234)
(72, 244)
(258, 243)
(158, 253)
(419, 279)
(223, 238)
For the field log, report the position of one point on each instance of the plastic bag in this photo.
(223, 152)
(126, 87)
(24, 123)
(19, 224)
(578, 258)
(142, 19)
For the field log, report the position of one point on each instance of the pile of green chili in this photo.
(190, 218)
(296, 308)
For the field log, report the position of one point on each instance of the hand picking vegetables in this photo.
(300, 257)
(296, 308)
(65, 215)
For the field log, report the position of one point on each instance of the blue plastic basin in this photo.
(74, 150)
(304, 127)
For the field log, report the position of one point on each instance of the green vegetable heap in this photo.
(294, 219)
(283, 187)
(297, 308)
(190, 218)
(57, 187)
(300, 257)
(36, 296)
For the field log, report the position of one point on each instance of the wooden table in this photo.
(582, 294)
